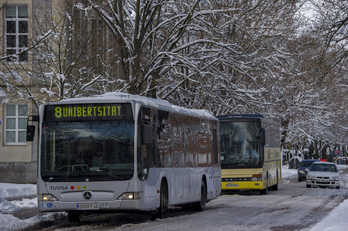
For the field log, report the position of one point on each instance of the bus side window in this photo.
(146, 134)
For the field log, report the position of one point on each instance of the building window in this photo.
(16, 116)
(16, 32)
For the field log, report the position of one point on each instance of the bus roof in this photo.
(112, 97)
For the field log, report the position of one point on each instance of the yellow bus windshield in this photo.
(240, 144)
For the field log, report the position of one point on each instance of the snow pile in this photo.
(7, 219)
(8, 207)
(15, 190)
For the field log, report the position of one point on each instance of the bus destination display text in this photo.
(87, 112)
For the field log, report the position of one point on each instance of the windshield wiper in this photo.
(117, 177)
(92, 175)
(58, 178)
(66, 177)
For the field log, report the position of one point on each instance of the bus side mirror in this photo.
(30, 132)
(263, 136)
(146, 134)
(31, 128)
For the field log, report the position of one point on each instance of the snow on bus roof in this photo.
(164, 104)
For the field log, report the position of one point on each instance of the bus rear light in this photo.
(47, 197)
(130, 196)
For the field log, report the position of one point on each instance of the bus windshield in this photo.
(88, 151)
(240, 144)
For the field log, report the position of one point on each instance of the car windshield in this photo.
(323, 168)
(306, 163)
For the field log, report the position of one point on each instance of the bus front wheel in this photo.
(73, 216)
(265, 190)
(200, 206)
(163, 199)
(163, 202)
(275, 187)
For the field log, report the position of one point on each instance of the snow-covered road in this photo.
(292, 207)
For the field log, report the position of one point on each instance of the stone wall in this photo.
(18, 173)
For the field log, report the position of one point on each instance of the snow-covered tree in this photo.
(197, 53)
(70, 56)
(322, 122)
(241, 56)
(331, 26)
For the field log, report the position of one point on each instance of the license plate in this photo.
(323, 180)
(87, 206)
(232, 185)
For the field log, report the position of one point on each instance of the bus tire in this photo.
(159, 213)
(200, 206)
(275, 187)
(73, 216)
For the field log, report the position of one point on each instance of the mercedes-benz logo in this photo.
(87, 195)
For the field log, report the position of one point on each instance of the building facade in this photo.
(18, 157)
(49, 50)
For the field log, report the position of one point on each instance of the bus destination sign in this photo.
(87, 112)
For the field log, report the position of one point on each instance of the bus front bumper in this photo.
(53, 206)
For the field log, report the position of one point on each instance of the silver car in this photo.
(323, 174)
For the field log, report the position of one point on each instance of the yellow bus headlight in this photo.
(256, 177)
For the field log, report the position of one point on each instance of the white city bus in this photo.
(121, 152)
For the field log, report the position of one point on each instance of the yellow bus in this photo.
(250, 153)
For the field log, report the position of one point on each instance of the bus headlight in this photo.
(47, 197)
(130, 196)
(256, 177)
